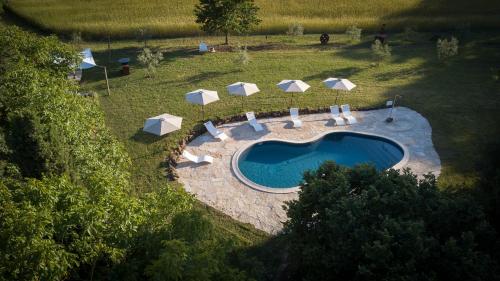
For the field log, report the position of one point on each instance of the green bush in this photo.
(361, 224)
(354, 33)
(150, 60)
(380, 51)
(295, 29)
(447, 48)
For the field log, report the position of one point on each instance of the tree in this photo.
(226, 16)
(361, 224)
(447, 48)
(380, 51)
(150, 60)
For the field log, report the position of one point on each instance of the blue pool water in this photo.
(279, 164)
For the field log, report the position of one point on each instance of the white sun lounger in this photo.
(216, 133)
(335, 113)
(253, 122)
(346, 112)
(197, 159)
(294, 114)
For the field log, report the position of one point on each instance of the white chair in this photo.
(216, 133)
(294, 114)
(253, 122)
(346, 113)
(203, 48)
(335, 113)
(197, 159)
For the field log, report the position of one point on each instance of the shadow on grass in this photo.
(146, 138)
(340, 73)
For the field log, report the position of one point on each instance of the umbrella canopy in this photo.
(162, 124)
(339, 84)
(242, 89)
(293, 86)
(87, 59)
(202, 97)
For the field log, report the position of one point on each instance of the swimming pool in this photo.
(277, 166)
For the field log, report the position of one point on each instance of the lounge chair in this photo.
(197, 159)
(294, 114)
(216, 133)
(335, 113)
(253, 122)
(346, 113)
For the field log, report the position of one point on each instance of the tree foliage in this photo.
(226, 16)
(447, 48)
(360, 224)
(151, 60)
(65, 205)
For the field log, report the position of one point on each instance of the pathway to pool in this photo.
(216, 185)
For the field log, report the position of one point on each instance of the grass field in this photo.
(460, 98)
(122, 18)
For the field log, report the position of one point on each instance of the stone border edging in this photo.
(256, 186)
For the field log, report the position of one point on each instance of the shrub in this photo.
(150, 60)
(295, 29)
(447, 48)
(380, 51)
(361, 224)
(354, 33)
(242, 58)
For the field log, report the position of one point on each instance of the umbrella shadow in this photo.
(146, 138)
(189, 164)
(340, 73)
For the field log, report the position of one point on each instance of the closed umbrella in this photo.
(242, 89)
(293, 86)
(162, 124)
(339, 84)
(202, 97)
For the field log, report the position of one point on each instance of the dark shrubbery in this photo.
(360, 224)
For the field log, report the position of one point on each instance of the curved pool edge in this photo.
(236, 170)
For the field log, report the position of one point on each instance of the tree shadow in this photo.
(341, 73)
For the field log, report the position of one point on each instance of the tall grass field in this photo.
(171, 18)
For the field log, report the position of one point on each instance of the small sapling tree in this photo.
(226, 16)
(151, 60)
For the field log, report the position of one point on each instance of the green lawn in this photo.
(460, 98)
(122, 18)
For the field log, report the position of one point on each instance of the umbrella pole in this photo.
(202, 112)
(242, 103)
(337, 97)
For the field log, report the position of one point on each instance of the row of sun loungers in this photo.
(340, 120)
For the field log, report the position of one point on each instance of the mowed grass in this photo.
(122, 18)
(460, 98)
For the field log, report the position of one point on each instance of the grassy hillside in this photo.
(122, 18)
(462, 114)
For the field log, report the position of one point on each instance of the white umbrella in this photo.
(242, 89)
(87, 59)
(162, 124)
(339, 84)
(202, 97)
(293, 86)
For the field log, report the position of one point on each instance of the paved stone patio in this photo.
(216, 185)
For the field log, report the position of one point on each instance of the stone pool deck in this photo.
(216, 185)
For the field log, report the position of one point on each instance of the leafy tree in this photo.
(242, 59)
(360, 224)
(193, 252)
(295, 29)
(226, 16)
(380, 51)
(150, 60)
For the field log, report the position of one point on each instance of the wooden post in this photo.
(107, 82)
